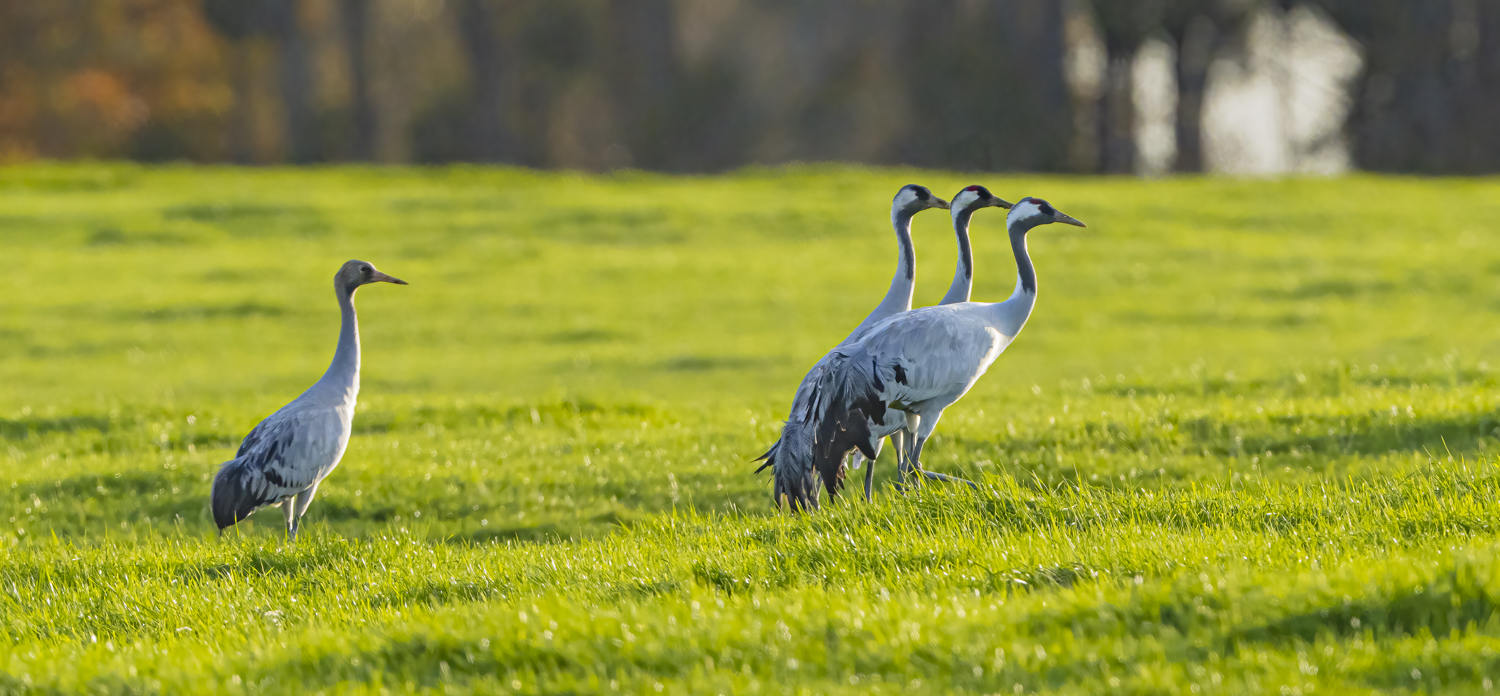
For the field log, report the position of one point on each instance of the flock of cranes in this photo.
(893, 376)
(902, 367)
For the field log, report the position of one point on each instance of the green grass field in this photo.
(1247, 443)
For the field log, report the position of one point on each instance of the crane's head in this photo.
(356, 273)
(1032, 212)
(915, 199)
(975, 197)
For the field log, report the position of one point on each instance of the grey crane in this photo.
(970, 200)
(794, 480)
(919, 362)
(282, 460)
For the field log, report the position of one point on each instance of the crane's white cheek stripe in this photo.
(1021, 211)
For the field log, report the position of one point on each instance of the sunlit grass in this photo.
(1246, 444)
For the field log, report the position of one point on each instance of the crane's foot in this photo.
(935, 476)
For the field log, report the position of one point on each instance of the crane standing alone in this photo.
(920, 362)
(284, 458)
(790, 458)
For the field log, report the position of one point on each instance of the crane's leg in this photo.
(288, 508)
(869, 480)
(869, 473)
(302, 500)
(924, 432)
(903, 449)
(903, 466)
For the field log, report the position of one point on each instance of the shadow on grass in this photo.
(22, 428)
(552, 413)
(242, 310)
(1441, 607)
(1373, 432)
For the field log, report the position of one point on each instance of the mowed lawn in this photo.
(1247, 443)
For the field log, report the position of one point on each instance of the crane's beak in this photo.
(1001, 203)
(1069, 220)
(383, 278)
(940, 203)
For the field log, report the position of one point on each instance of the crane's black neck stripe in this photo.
(903, 237)
(910, 254)
(1024, 268)
(965, 252)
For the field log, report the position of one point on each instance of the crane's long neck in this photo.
(1009, 316)
(342, 377)
(1025, 272)
(963, 274)
(898, 298)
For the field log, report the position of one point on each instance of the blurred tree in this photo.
(1123, 26)
(986, 84)
(525, 59)
(81, 78)
(1430, 90)
(641, 70)
(355, 15)
(672, 85)
(479, 27)
(240, 21)
(295, 77)
(237, 21)
(1200, 31)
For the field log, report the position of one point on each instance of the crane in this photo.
(919, 362)
(965, 203)
(794, 478)
(287, 455)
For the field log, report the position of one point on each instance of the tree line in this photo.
(683, 86)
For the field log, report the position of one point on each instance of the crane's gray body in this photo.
(918, 362)
(288, 454)
(794, 480)
(285, 457)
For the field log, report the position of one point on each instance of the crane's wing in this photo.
(927, 356)
(790, 458)
(284, 455)
(802, 400)
(851, 379)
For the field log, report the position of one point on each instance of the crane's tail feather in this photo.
(790, 460)
(850, 401)
(233, 497)
(769, 457)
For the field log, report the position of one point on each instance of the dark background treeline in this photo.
(690, 85)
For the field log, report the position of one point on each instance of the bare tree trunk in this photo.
(477, 27)
(1487, 98)
(1124, 26)
(642, 73)
(356, 27)
(985, 85)
(1035, 44)
(241, 125)
(1195, 52)
(1117, 115)
(1422, 104)
(294, 73)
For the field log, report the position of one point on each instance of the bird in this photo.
(790, 458)
(964, 204)
(287, 455)
(968, 201)
(919, 362)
